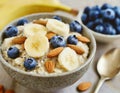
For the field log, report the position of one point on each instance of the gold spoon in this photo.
(108, 66)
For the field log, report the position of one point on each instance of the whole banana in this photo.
(11, 10)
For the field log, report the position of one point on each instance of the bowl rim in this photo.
(50, 75)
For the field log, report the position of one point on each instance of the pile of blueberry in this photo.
(104, 19)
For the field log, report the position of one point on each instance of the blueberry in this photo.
(117, 21)
(75, 26)
(108, 14)
(96, 8)
(22, 21)
(84, 18)
(94, 14)
(118, 29)
(86, 10)
(109, 29)
(117, 11)
(72, 39)
(30, 63)
(106, 6)
(99, 29)
(57, 18)
(11, 31)
(90, 24)
(13, 52)
(98, 21)
(57, 41)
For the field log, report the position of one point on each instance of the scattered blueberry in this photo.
(11, 31)
(13, 52)
(30, 63)
(75, 26)
(99, 29)
(22, 21)
(90, 24)
(72, 39)
(57, 18)
(57, 41)
(106, 6)
(84, 18)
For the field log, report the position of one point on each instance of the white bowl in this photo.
(103, 37)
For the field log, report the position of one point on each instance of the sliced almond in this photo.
(77, 49)
(49, 65)
(49, 35)
(1, 89)
(55, 52)
(84, 86)
(83, 39)
(19, 40)
(22, 46)
(9, 91)
(42, 22)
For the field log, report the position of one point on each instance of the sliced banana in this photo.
(57, 27)
(68, 59)
(36, 45)
(31, 29)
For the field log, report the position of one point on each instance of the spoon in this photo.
(108, 66)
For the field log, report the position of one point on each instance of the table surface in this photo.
(111, 86)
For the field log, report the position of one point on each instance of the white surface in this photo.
(112, 86)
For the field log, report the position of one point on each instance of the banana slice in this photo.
(57, 27)
(31, 29)
(68, 59)
(36, 45)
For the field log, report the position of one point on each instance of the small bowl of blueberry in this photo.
(103, 21)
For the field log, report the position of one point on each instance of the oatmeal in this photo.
(45, 46)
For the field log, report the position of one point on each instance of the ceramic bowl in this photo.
(103, 38)
(51, 82)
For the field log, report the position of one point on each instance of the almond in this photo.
(9, 91)
(1, 88)
(42, 22)
(77, 49)
(19, 40)
(84, 86)
(22, 46)
(49, 65)
(49, 35)
(55, 52)
(83, 39)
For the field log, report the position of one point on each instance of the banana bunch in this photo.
(11, 10)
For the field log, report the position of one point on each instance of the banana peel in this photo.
(11, 10)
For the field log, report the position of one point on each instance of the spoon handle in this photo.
(100, 83)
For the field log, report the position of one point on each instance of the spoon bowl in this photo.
(108, 66)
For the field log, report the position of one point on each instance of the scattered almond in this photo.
(77, 49)
(49, 35)
(1, 89)
(19, 40)
(83, 39)
(42, 22)
(49, 65)
(9, 91)
(84, 86)
(55, 52)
